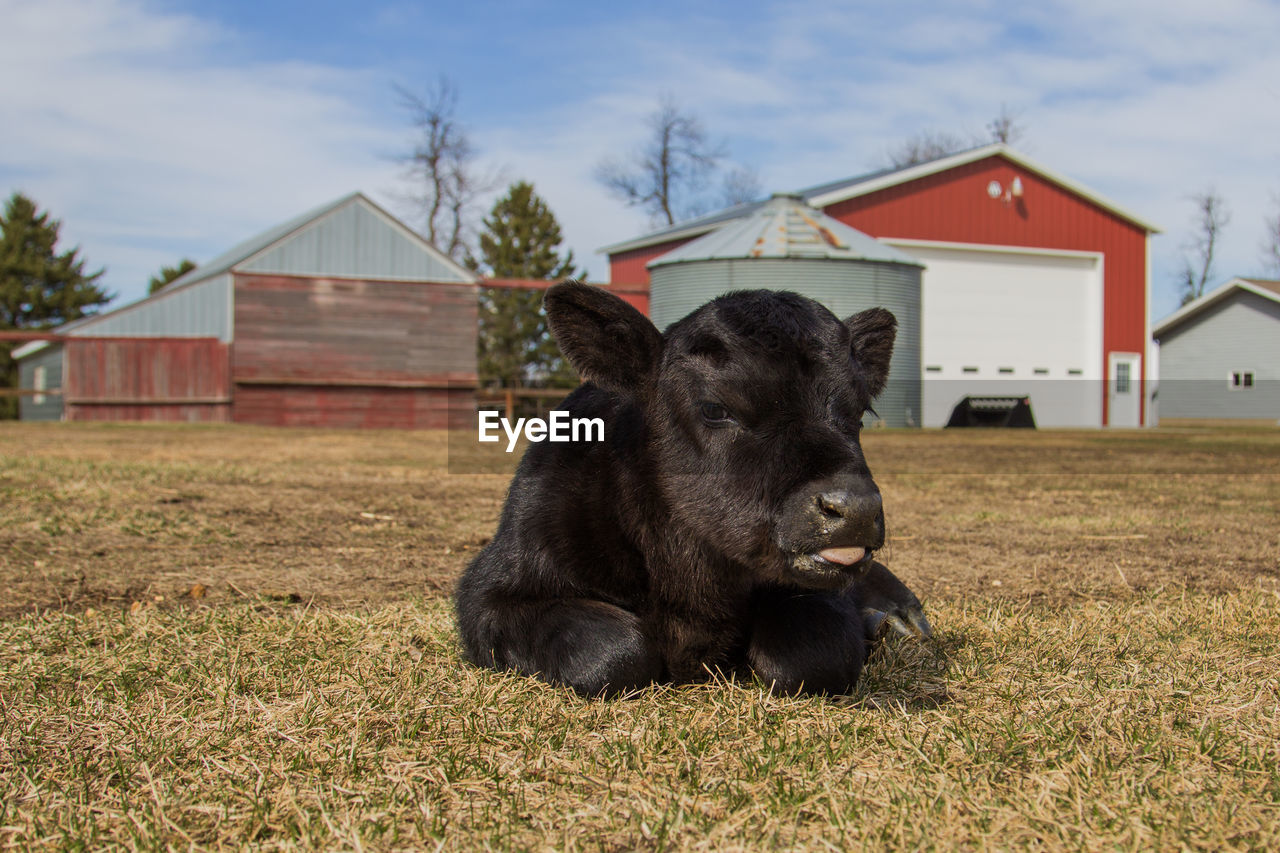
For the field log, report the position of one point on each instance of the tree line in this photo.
(678, 170)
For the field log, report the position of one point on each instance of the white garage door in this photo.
(1011, 322)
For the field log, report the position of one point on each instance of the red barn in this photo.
(1034, 285)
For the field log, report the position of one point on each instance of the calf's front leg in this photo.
(816, 642)
(591, 646)
(807, 642)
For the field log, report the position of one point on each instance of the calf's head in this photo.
(753, 407)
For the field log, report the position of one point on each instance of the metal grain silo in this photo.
(787, 245)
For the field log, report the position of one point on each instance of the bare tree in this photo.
(441, 168)
(666, 176)
(1005, 127)
(1271, 243)
(741, 184)
(1210, 218)
(925, 146)
(931, 144)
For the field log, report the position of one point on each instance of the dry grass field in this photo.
(225, 637)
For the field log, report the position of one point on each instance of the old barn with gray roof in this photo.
(342, 316)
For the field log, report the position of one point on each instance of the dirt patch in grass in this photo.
(109, 515)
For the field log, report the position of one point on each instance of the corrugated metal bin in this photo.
(787, 245)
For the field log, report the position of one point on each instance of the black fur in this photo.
(686, 541)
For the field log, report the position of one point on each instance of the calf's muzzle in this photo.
(849, 517)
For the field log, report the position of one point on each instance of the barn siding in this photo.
(139, 379)
(200, 310)
(175, 413)
(352, 353)
(356, 241)
(355, 407)
(49, 408)
(631, 267)
(1240, 333)
(340, 330)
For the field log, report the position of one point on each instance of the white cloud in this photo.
(147, 135)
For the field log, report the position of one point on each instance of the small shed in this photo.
(342, 317)
(1220, 355)
(787, 245)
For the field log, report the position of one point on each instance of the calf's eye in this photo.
(715, 414)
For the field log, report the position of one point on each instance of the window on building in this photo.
(933, 368)
(1240, 379)
(1075, 371)
(39, 382)
(1006, 371)
(1041, 371)
(969, 369)
(1122, 377)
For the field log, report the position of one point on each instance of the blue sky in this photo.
(158, 129)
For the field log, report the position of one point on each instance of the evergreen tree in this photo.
(39, 288)
(170, 274)
(521, 239)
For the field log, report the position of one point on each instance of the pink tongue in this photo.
(843, 556)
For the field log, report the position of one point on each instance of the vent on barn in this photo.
(787, 245)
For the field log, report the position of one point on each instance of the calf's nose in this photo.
(844, 504)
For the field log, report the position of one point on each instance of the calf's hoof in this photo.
(888, 606)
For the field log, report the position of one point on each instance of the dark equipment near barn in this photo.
(993, 412)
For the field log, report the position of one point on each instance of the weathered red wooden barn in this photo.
(1033, 286)
(342, 317)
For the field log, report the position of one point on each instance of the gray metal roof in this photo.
(249, 249)
(786, 227)
(687, 228)
(1265, 287)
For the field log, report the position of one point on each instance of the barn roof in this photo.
(245, 252)
(786, 227)
(1264, 287)
(823, 195)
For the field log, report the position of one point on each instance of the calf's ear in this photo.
(606, 340)
(871, 335)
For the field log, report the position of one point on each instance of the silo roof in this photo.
(786, 227)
